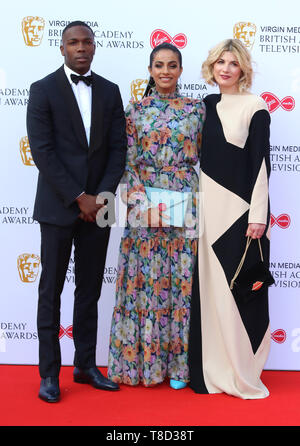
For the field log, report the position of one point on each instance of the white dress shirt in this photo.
(83, 95)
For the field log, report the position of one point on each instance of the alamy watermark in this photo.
(134, 209)
(2, 342)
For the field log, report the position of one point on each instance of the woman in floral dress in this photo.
(150, 323)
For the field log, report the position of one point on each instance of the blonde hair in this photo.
(243, 56)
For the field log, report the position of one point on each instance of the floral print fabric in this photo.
(150, 323)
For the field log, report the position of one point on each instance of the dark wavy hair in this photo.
(162, 46)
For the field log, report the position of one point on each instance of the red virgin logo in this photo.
(283, 221)
(279, 336)
(66, 331)
(272, 101)
(160, 36)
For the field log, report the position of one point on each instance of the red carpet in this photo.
(82, 405)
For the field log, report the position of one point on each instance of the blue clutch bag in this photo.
(175, 203)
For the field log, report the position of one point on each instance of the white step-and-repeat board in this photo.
(125, 33)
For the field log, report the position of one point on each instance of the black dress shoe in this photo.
(94, 377)
(49, 389)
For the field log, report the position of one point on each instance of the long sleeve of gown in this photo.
(259, 133)
(133, 190)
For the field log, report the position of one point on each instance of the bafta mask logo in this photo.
(33, 30)
(26, 152)
(245, 32)
(137, 88)
(28, 267)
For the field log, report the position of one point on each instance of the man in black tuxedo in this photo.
(76, 131)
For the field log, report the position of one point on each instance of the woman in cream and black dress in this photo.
(230, 339)
(150, 324)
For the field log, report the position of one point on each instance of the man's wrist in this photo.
(79, 196)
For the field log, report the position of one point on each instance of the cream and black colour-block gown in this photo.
(230, 339)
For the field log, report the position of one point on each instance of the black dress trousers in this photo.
(90, 247)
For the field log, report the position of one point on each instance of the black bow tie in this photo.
(86, 79)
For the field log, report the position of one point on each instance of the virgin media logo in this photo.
(273, 103)
(66, 331)
(283, 221)
(279, 336)
(160, 36)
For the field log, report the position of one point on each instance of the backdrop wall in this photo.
(125, 32)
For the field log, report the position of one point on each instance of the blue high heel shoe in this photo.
(177, 384)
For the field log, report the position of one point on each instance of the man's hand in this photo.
(88, 207)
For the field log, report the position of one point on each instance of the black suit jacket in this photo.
(67, 165)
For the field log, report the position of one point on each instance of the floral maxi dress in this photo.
(150, 322)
